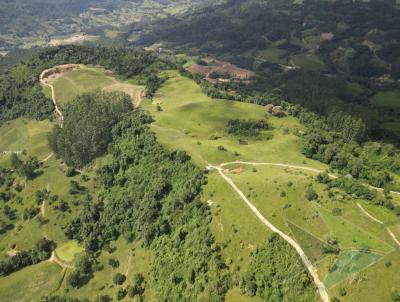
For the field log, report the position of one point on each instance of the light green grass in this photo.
(30, 283)
(390, 99)
(102, 281)
(375, 283)
(23, 134)
(86, 79)
(189, 117)
(68, 251)
(350, 236)
(233, 222)
(309, 62)
(349, 263)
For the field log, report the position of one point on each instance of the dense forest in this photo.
(80, 140)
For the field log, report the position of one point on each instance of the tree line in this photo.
(20, 90)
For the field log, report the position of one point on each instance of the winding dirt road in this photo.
(312, 270)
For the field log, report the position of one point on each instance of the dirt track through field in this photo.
(54, 259)
(314, 170)
(311, 269)
(380, 222)
(53, 95)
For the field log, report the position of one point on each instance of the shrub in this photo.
(119, 279)
(311, 194)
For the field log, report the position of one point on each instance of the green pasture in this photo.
(389, 99)
(373, 283)
(68, 251)
(23, 134)
(350, 236)
(88, 78)
(188, 118)
(31, 283)
(309, 62)
(132, 260)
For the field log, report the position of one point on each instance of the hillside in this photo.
(27, 24)
(188, 197)
(321, 54)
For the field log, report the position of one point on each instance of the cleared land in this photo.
(390, 99)
(68, 251)
(71, 83)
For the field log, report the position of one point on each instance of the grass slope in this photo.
(88, 78)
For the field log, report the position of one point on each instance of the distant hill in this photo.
(325, 55)
(25, 24)
(353, 37)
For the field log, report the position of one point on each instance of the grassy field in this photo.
(132, 260)
(187, 120)
(73, 83)
(22, 134)
(390, 99)
(309, 62)
(349, 263)
(31, 283)
(68, 251)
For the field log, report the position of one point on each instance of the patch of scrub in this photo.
(68, 251)
(348, 264)
(311, 245)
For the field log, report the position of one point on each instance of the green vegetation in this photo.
(74, 83)
(80, 140)
(42, 251)
(390, 99)
(138, 220)
(153, 212)
(68, 251)
(32, 282)
(348, 264)
(350, 236)
(246, 128)
(276, 273)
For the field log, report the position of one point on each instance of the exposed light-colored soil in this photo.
(238, 74)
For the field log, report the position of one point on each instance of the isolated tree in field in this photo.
(311, 194)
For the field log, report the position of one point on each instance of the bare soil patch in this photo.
(211, 66)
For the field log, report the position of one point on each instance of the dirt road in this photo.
(314, 170)
(312, 270)
(380, 222)
(53, 95)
